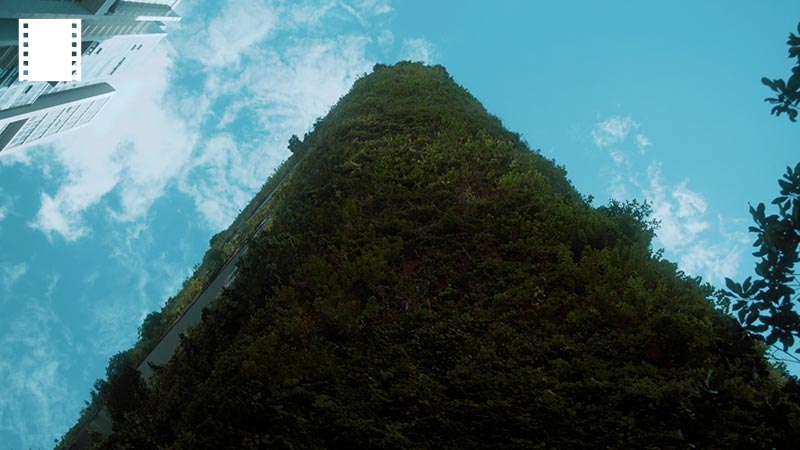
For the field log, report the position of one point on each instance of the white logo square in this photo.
(49, 49)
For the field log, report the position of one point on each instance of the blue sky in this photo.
(99, 227)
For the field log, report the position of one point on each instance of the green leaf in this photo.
(786, 340)
(741, 314)
(794, 83)
(762, 306)
(772, 338)
(796, 214)
(752, 316)
(778, 200)
(734, 287)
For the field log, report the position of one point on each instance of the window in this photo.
(117, 66)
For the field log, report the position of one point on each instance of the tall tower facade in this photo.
(115, 34)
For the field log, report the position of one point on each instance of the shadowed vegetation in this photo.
(430, 282)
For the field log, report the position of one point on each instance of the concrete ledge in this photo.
(56, 100)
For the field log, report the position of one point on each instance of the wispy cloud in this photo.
(139, 142)
(34, 401)
(613, 130)
(642, 141)
(374, 7)
(714, 260)
(610, 134)
(207, 180)
(6, 204)
(419, 49)
(282, 84)
(146, 276)
(239, 26)
(308, 15)
(260, 71)
(618, 188)
(686, 232)
(680, 210)
(10, 274)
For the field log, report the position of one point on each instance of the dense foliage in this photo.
(768, 304)
(221, 247)
(787, 93)
(428, 281)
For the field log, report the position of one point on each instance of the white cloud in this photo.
(619, 190)
(149, 277)
(691, 208)
(681, 213)
(386, 38)
(51, 219)
(699, 246)
(207, 180)
(642, 141)
(352, 11)
(279, 91)
(713, 261)
(617, 156)
(272, 85)
(10, 274)
(34, 400)
(374, 7)
(303, 81)
(22, 155)
(254, 92)
(686, 232)
(362, 10)
(6, 204)
(613, 131)
(137, 145)
(240, 26)
(418, 50)
(115, 322)
(308, 15)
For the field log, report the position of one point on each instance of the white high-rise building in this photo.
(115, 35)
(51, 114)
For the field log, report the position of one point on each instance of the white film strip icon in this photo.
(50, 49)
